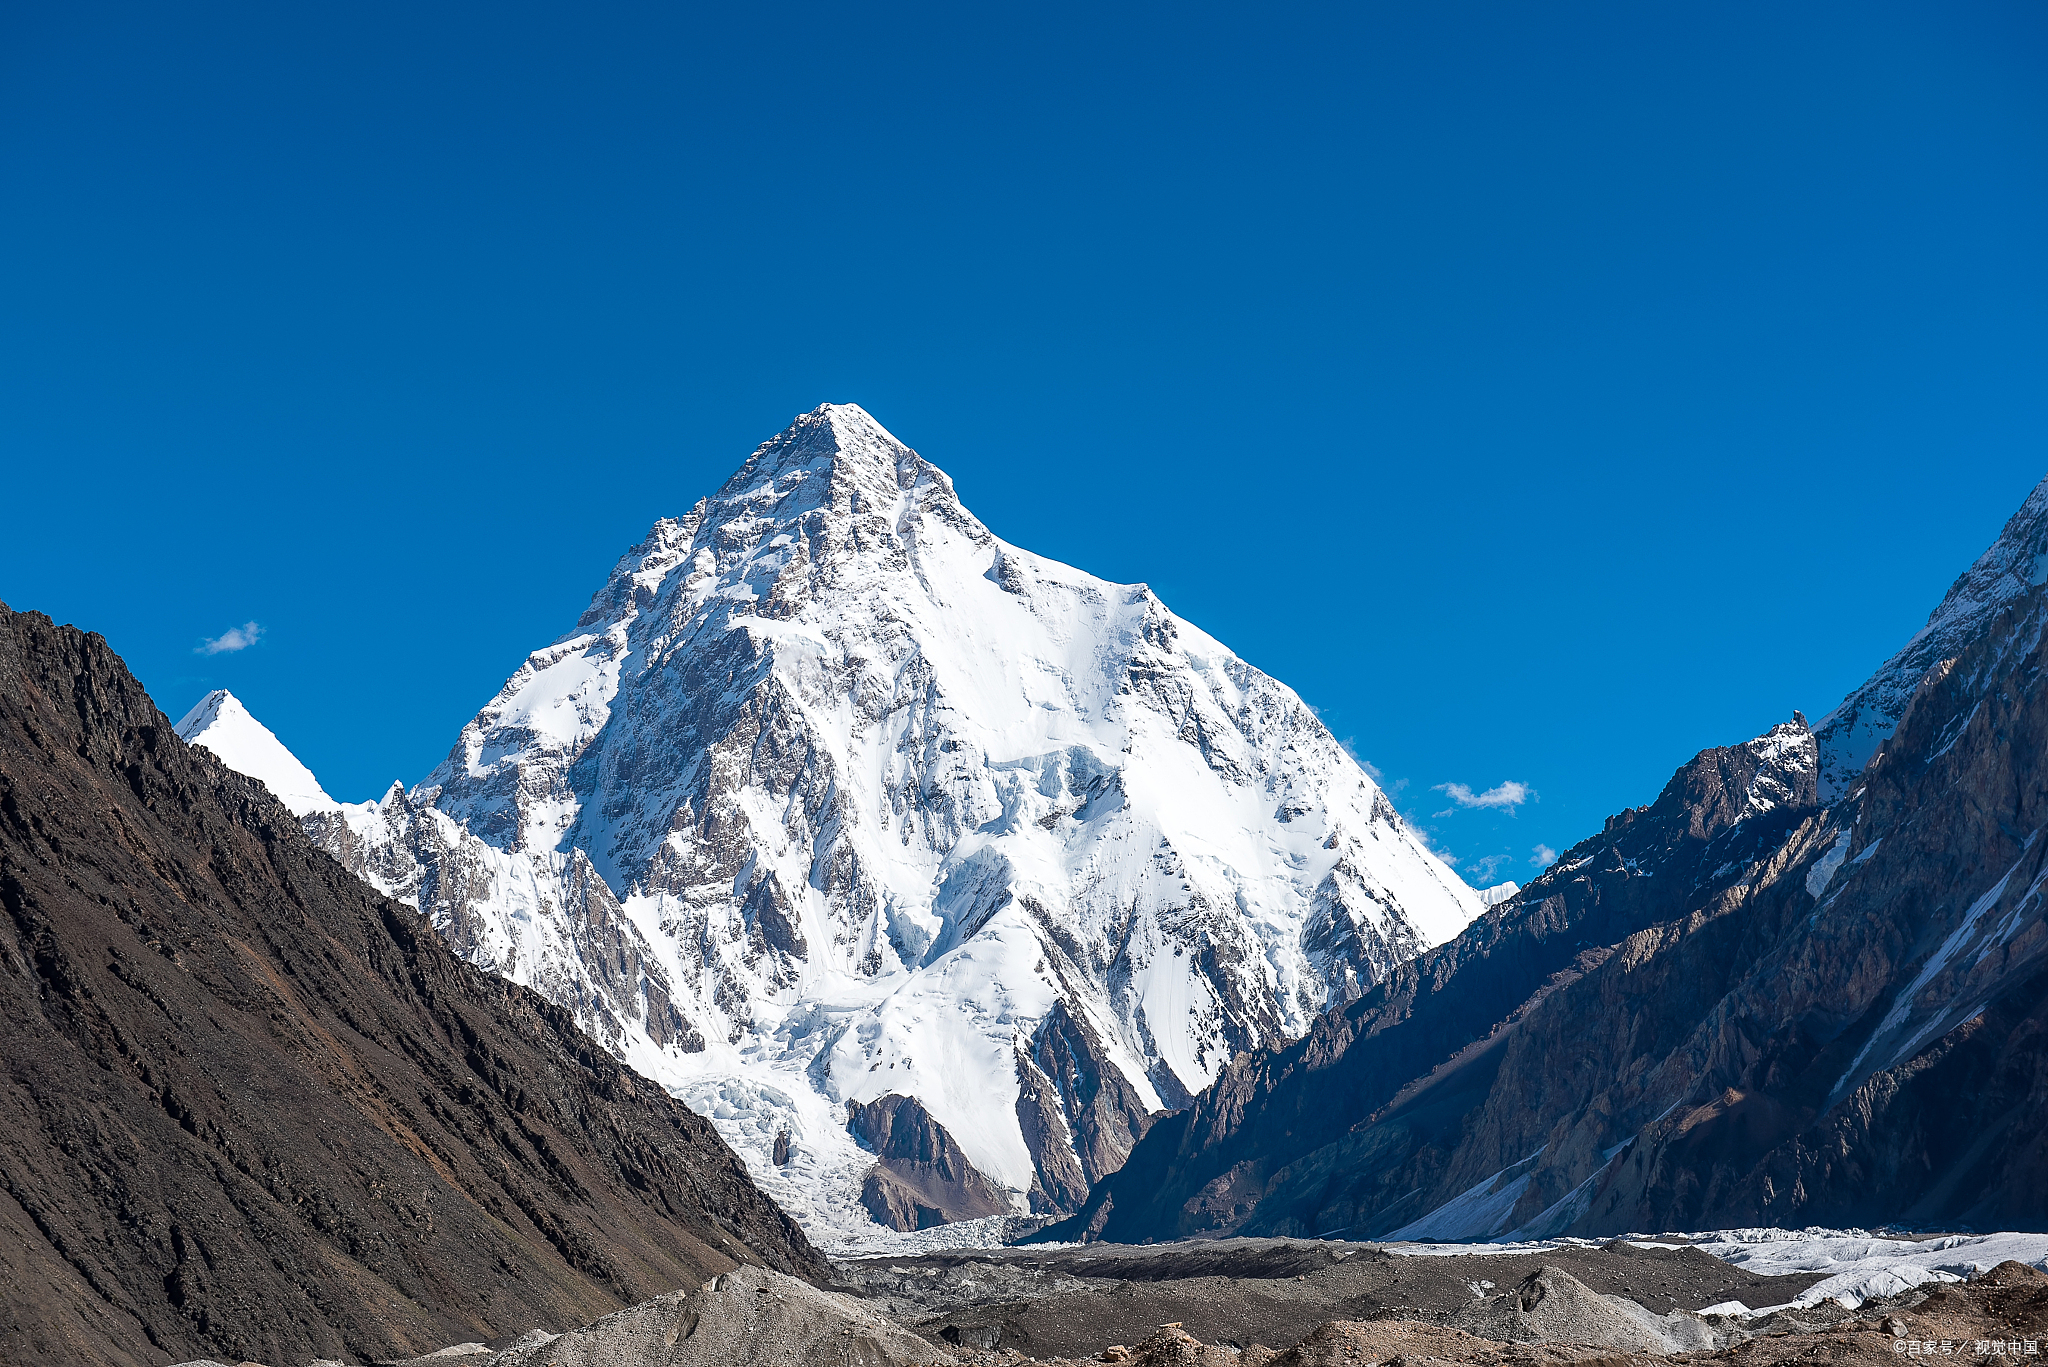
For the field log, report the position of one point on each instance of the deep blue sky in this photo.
(1545, 392)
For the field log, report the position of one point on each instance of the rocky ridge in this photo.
(1746, 1004)
(833, 795)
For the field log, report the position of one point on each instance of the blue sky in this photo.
(1544, 392)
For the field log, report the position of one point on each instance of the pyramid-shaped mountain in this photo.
(832, 798)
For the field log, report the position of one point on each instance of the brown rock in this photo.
(920, 1178)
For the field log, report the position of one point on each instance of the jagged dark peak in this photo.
(1710, 796)
(1734, 1006)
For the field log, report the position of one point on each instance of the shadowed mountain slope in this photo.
(1733, 1007)
(252, 1109)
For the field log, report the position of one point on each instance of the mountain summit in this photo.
(833, 806)
(220, 723)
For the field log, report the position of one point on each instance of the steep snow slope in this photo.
(831, 794)
(221, 724)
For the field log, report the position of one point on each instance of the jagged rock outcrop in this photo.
(832, 794)
(1737, 1006)
(920, 1177)
(249, 1108)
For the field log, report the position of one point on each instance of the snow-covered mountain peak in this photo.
(838, 442)
(221, 724)
(832, 795)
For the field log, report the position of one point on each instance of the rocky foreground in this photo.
(1285, 1303)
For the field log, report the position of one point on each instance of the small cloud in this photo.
(231, 640)
(1543, 856)
(1505, 797)
(1487, 870)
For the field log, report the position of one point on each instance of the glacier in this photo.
(832, 794)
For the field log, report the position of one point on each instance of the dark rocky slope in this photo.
(1732, 1007)
(251, 1109)
(920, 1177)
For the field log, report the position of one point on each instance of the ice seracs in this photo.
(832, 795)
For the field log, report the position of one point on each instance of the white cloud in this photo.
(1505, 796)
(1487, 870)
(1543, 856)
(231, 640)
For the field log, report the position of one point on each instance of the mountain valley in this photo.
(849, 878)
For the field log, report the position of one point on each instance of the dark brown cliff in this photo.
(920, 1178)
(251, 1109)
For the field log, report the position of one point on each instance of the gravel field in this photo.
(1298, 1303)
(1075, 1302)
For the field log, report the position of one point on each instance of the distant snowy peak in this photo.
(224, 726)
(2016, 563)
(1498, 893)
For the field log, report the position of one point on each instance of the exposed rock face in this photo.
(1104, 1114)
(832, 794)
(251, 1109)
(1734, 1007)
(920, 1177)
